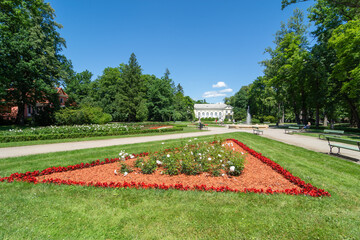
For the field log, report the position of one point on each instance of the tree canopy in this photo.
(30, 59)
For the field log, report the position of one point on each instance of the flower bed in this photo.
(46, 176)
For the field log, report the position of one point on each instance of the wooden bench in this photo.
(334, 142)
(257, 131)
(330, 133)
(292, 129)
(202, 127)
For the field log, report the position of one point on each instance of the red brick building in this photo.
(9, 112)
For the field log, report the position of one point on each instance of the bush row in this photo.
(21, 138)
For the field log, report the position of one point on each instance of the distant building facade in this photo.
(218, 110)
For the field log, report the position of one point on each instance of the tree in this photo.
(285, 70)
(160, 97)
(30, 46)
(78, 86)
(346, 42)
(133, 88)
(107, 93)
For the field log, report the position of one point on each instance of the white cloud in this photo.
(226, 90)
(219, 85)
(212, 94)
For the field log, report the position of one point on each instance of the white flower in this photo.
(223, 145)
(115, 172)
(200, 158)
(158, 162)
(195, 138)
(199, 154)
(220, 160)
(125, 173)
(223, 174)
(192, 153)
(219, 155)
(168, 155)
(242, 153)
(232, 168)
(209, 158)
(163, 143)
(132, 156)
(190, 140)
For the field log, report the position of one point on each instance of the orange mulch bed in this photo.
(256, 174)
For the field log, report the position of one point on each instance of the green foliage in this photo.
(125, 168)
(30, 46)
(77, 131)
(148, 167)
(83, 115)
(78, 86)
(142, 112)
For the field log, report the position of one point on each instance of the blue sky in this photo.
(211, 47)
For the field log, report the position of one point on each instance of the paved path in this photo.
(307, 142)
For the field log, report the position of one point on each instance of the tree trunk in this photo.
(317, 116)
(354, 111)
(20, 119)
(297, 118)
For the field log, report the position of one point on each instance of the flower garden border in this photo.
(306, 188)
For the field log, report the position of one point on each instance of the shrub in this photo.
(255, 121)
(83, 115)
(148, 167)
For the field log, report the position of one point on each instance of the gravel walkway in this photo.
(307, 142)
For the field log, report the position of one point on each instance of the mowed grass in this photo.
(71, 212)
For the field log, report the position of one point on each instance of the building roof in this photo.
(212, 106)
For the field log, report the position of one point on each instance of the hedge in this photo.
(22, 138)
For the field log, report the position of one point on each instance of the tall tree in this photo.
(285, 69)
(30, 46)
(133, 88)
(346, 42)
(160, 97)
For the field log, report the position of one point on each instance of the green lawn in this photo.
(71, 212)
(38, 142)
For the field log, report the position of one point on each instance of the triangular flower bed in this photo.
(299, 187)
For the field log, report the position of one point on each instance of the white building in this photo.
(218, 110)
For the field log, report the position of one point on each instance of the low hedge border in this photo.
(306, 188)
(22, 138)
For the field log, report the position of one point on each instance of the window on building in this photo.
(207, 114)
(203, 113)
(61, 100)
(215, 114)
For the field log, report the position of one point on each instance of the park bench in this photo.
(334, 142)
(257, 131)
(292, 129)
(330, 133)
(202, 127)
